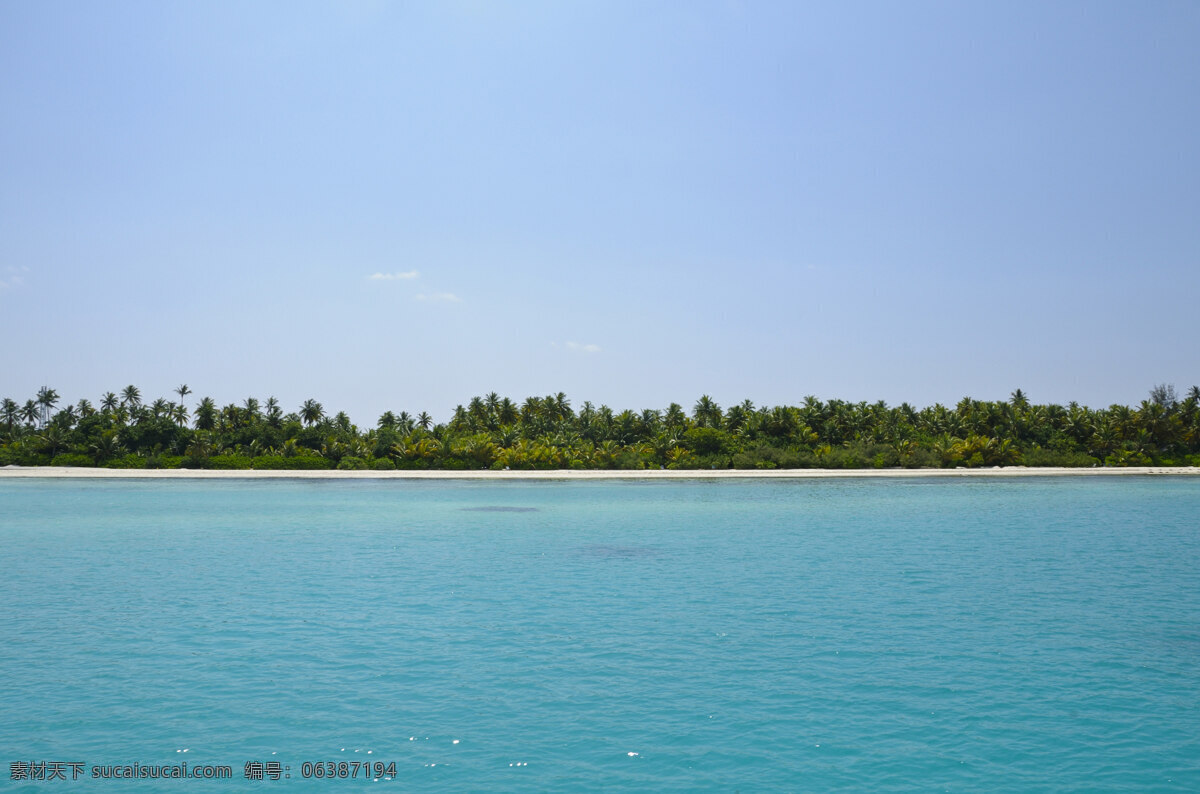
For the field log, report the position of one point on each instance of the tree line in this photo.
(121, 430)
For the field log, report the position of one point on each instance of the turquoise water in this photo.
(905, 635)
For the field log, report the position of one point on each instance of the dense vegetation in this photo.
(122, 431)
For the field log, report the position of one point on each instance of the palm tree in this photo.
(562, 406)
(530, 409)
(230, 417)
(735, 418)
(424, 420)
(274, 414)
(477, 413)
(30, 412)
(46, 398)
(66, 417)
(9, 410)
(311, 412)
(651, 419)
(626, 427)
(201, 446)
(131, 396)
(183, 391)
(507, 413)
(86, 408)
(706, 412)
(108, 403)
(206, 414)
(106, 447)
(53, 440)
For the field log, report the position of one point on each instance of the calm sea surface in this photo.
(905, 635)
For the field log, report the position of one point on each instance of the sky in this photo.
(398, 206)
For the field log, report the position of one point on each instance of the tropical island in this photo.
(122, 431)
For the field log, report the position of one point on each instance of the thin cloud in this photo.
(439, 297)
(583, 348)
(13, 277)
(405, 276)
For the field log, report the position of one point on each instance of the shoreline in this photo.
(66, 472)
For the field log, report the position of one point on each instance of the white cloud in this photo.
(583, 348)
(405, 276)
(439, 297)
(13, 277)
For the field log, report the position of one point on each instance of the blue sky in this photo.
(632, 203)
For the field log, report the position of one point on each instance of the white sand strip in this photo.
(575, 474)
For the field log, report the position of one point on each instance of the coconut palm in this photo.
(10, 411)
(706, 412)
(206, 414)
(273, 414)
(46, 398)
(311, 412)
(507, 413)
(66, 417)
(477, 414)
(30, 412)
(106, 446)
(131, 396)
(562, 406)
(202, 446)
(53, 440)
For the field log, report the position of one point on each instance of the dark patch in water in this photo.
(500, 509)
(622, 552)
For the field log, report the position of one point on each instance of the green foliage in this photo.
(72, 459)
(546, 433)
(154, 433)
(920, 458)
(297, 463)
(230, 462)
(707, 441)
(126, 462)
(1039, 456)
(630, 460)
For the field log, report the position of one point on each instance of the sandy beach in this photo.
(574, 474)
